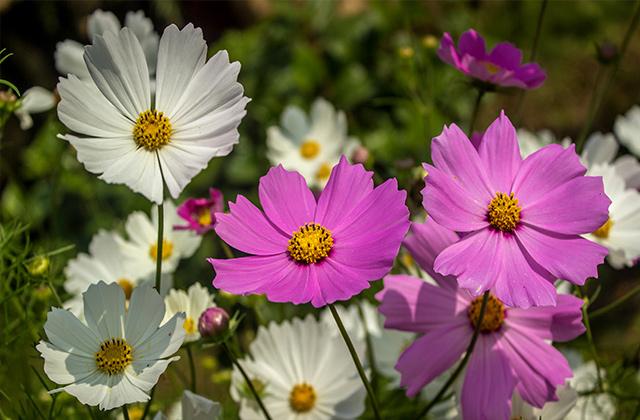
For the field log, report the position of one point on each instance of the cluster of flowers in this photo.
(508, 216)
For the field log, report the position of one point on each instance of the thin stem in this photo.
(247, 380)
(192, 369)
(370, 355)
(356, 361)
(592, 109)
(615, 303)
(592, 346)
(227, 251)
(463, 362)
(476, 108)
(633, 25)
(159, 246)
(147, 406)
(125, 412)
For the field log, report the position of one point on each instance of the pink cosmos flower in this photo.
(200, 212)
(521, 218)
(308, 251)
(502, 66)
(512, 351)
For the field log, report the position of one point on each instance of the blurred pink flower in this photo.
(199, 213)
(502, 66)
(308, 251)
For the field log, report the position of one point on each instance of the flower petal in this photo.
(67, 333)
(146, 311)
(63, 367)
(500, 153)
(69, 59)
(562, 322)
(447, 51)
(472, 43)
(247, 275)
(163, 342)
(338, 281)
(144, 374)
(104, 309)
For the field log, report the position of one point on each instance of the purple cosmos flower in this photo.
(521, 218)
(200, 212)
(512, 351)
(502, 66)
(308, 251)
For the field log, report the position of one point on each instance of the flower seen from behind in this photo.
(307, 251)
(199, 213)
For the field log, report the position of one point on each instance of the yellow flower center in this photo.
(406, 52)
(189, 325)
(204, 217)
(114, 356)
(167, 250)
(491, 68)
(323, 172)
(152, 130)
(302, 398)
(127, 287)
(309, 149)
(504, 212)
(310, 244)
(493, 314)
(603, 231)
(135, 413)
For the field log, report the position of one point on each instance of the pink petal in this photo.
(575, 207)
(545, 170)
(447, 51)
(347, 186)
(560, 323)
(567, 257)
(500, 153)
(246, 229)
(430, 355)
(410, 304)
(425, 242)
(488, 382)
(286, 199)
(506, 55)
(337, 281)
(531, 74)
(250, 275)
(300, 285)
(540, 368)
(472, 43)
(450, 205)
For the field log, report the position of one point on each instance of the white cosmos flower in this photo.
(35, 100)
(69, 54)
(311, 144)
(116, 355)
(192, 407)
(593, 407)
(627, 129)
(603, 149)
(302, 371)
(553, 410)
(621, 233)
(530, 142)
(193, 303)
(141, 248)
(120, 135)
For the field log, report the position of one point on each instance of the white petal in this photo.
(196, 407)
(199, 300)
(142, 27)
(627, 129)
(117, 66)
(146, 311)
(144, 374)
(600, 148)
(295, 122)
(180, 55)
(91, 390)
(164, 342)
(85, 110)
(176, 301)
(558, 410)
(67, 333)
(628, 167)
(69, 60)
(105, 248)
(100, 22)
(26, 122)
(122, 391)
(138, 170)
(37, 99)
(104, 309)
(63, 367)
(83, 271)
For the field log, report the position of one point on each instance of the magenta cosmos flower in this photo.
(521, 218)
(308, 251)
(502, 66)
(512, 351)
(199, 213)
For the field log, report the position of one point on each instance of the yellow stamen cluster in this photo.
(504, 212)
(310, 244)
(603, 231)
(302, 398)
(167, 250)
(493, 314)
(114, 356)
(491, 68)
(204, 217)
(189, 325)
(127, 287)
(152, 130)
(323, 172)
(309, 149)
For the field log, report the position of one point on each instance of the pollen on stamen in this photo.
(494, 314)
(152, 130)
(504, 212)
(310, 244)
(302, 398)
(114, 355)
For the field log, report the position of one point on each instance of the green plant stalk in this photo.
(356, 361)
(159, 246)
(592, 346)
(125, 412)
(370, 354)
(192, 368)
(476, 109)
(615, 303)
(463, 362)
(247, 380)
(147, 406)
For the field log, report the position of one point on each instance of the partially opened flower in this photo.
(621, 232)
(302, 371)
(502, 66)
(140, 250)
(69, 54)
(512, 351)
(116, 355)
(310, 145)
(193, 303)
(627, 129)
(199, 213)
(522, 219)
(34, 101)
(307, 251)
(126, 137)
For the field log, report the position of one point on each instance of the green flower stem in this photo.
(227, 251)
(463, 362)
(247, 380)
(147, 406)
(356, 361)
(192, 368)
(476, 109)
(370, 354)
(615, 303)
(125, 412)
(159, 246)
(592, 346)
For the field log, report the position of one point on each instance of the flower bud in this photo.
(607, 52)
(213, 322)
(360, 155)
